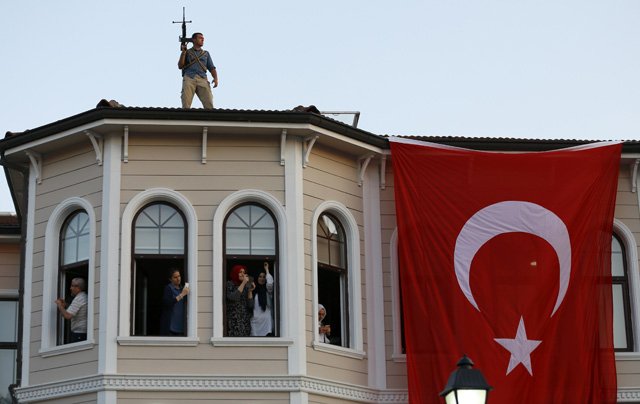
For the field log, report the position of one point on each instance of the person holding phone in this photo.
(239, 302)
(324, 330)
(173, 305)
(262, 320)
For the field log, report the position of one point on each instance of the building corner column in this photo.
(109, 264)
(374, 279)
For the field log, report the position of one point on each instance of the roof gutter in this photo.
(23, 250)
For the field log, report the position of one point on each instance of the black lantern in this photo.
(466, 385)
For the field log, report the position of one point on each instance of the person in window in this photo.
(174, 301)
(323, 330)
(77, 310)
(239, 303)
(262, 320)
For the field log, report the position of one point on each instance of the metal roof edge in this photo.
(192, 114)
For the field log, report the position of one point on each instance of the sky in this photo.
(517, 69)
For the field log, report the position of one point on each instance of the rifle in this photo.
(183, 39)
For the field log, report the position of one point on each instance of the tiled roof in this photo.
(113, 109)
(9, 220)
(498, 139)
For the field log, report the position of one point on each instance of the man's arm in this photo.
(63, 311)
(214, 73)
(182, 56)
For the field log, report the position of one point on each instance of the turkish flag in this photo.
(506, 257)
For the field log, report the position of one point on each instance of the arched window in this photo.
(74, 263)
(159, 241)
(333, 277)
(251, 240)
(622, 324)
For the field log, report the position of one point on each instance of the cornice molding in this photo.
(137, 382)
(628, 395)
(306, 384)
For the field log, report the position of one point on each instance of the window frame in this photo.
(398, 354)
(352, 242)
(630, 257)
(142, 199)
(343, 272)
(83, 265)
(6, 345)
(275, 270)
(135, 257)
(52, 260)
(288, 282)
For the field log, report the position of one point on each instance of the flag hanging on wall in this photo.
(506, 257)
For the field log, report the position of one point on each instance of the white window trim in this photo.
(275, 207)
(397, 355)
(183, 204)
(631, 248)
(352, 235)
(48, 345)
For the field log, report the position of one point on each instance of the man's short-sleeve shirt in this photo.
(194, 69)
(78, 309)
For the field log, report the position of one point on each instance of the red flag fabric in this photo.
(506, 257)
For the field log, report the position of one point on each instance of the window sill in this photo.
(158, 341)
(399, 358)
(67, 348)
(252, 341)
(338, 350)
(628, 356)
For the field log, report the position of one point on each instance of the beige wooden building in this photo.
(118, 196)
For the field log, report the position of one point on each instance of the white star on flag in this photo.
(520, 348)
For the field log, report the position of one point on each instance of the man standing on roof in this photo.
(194, 64)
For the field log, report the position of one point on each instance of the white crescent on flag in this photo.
(511, 217)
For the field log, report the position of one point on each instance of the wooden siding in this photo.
(332, 176)
(396, 371)
(9, 266)
(233, 163)
(71, 172)
(197, 397)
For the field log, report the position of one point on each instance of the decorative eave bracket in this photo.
(363, 162)
(125, 146)
(308, 141)
(383, 169)
(97, 140)
(283, 142)
(36, 164)
(634, 174)
(204, 144)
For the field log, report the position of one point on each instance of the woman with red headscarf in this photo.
(239, 303)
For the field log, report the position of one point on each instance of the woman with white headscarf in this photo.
(324, 331)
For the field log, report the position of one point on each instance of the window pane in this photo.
(617, 259)
(262, 219)
(9, 316)
(172, 241)
(239, 217)
(170, 217)
(75, 239)
(238, 241)
(147, 241)
(69, 248)
(337, 260)
(145, 218)
(7, 373)
(619, 325)
(323, 250)
(83, 248)
(263, 242)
